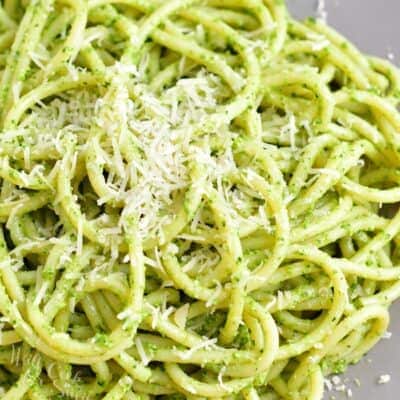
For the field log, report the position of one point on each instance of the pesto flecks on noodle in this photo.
(197, 200)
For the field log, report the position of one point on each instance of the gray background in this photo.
(374, 25)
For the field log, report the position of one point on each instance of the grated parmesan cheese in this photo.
(328, 384)
(40, 294)
(387, 335)
(336, 380)
(220, 380)
(290, 129)
(321, 11)
(142, 354)
(383, 379)
(205, 344)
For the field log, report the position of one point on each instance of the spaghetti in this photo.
(198, 200)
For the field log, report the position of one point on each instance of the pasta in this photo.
(197, 200)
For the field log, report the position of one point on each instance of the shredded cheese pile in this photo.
(197, 200)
